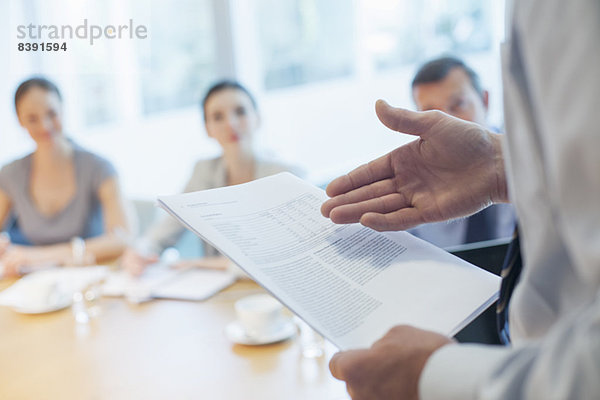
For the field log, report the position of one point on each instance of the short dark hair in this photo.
(222, 85)
(37, 81)
(438, 68)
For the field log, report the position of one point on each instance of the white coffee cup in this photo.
(260, 315)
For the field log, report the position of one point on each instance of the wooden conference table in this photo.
(157, 350)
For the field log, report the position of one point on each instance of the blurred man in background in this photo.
(449, 85)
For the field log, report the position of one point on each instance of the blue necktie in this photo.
(511, 271)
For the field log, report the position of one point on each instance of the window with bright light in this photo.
(182, 58)
(304, 41)
(119, 80)
(405, 32)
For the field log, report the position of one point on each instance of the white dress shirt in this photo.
(552, 93)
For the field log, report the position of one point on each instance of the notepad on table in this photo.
(161, 282)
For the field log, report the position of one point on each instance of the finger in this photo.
(394, 221)
(131, 268)
(11, 267)
(374, 190)
(344, 365)
(402, 120)
(135, 266)
(10, 272)
(140, 262)
(374, 171)
(151, 259)
(136, 270)
(351, 213)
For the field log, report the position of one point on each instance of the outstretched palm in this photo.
(454, 169)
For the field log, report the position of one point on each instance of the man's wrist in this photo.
(500, 192)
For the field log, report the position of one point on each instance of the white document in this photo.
(350, 283)
(162, 282)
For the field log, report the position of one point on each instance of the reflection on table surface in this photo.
(157, 350)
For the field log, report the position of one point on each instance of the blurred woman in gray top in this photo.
(61, 204)
(231, 118)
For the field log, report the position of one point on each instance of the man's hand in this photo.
(391, 368)
(454, 169)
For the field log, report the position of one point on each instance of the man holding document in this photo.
(456, 168)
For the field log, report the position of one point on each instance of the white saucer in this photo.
(236, 333)
(63, 302)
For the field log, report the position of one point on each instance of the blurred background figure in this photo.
(60, 204)
(449, 85)
(231, 118)
(316, 66)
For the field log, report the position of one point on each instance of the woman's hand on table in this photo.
(218, 263)
(135, 263)
(15, 258)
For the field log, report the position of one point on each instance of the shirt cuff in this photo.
(457, 371)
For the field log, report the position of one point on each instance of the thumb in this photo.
(348, 364)
(402, 120)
